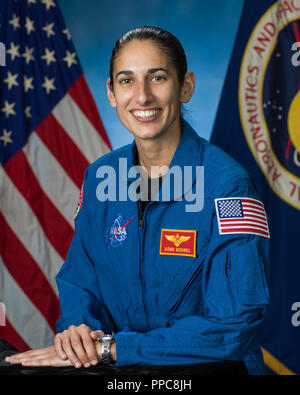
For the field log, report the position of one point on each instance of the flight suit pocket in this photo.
(218, 288)
(248, 276)
(187, 286)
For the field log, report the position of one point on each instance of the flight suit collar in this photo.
(189, 153)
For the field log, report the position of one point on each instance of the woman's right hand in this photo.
(77, 344)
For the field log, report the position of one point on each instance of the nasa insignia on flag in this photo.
(241, 215)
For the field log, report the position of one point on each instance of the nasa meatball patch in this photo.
(118, 231)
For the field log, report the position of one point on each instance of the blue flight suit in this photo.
(176, 309)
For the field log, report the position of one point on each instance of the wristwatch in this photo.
(106, 342)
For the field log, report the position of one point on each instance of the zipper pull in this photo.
(226, 265)
(141, 221)
(141, 216)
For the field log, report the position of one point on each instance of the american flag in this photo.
(241, 215)
(50, 131)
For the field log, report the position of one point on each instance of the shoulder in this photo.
(222, 173)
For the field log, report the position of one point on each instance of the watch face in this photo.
(106, 338)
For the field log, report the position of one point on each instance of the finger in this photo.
(58, 347)
(90, 348)
(96, 334)
(72, 357)
(12, 360)
(18, 358)
(76, 343)
(56, 362)
(88, 343)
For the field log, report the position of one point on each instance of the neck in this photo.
(156, 154)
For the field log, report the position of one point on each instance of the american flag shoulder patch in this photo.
(241, 215)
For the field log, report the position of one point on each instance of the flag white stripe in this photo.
(22, 220)
(243, 226)
(257, 205)
(259, 232)
(239, 226)
(79, 129)
(26, 318)
(242, 221)
(251, 215)
(52, 178)
(254, 208)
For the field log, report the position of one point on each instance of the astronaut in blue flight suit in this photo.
(179, 309)
(175, 285)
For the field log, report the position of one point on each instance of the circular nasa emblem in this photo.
(269, 98)
(118, 232)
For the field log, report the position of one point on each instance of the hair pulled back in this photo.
(165, 41)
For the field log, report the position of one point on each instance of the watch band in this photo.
(106, 342)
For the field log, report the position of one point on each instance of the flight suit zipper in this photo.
(141, 229)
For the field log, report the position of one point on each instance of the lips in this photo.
(146, 115)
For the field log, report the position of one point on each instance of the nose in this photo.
(143, 94)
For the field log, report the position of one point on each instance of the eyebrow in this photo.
(149, 71)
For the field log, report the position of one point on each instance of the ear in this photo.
(110, 94)
(188, 87)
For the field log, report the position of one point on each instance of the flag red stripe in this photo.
(243, 230)
(287, 149)
(56, 228)
(253, 202)
(63, 148)
(28, 275)
(251, 206)
(251, 215)
(81, 94)
(9, 333)
(231, 220)
(254, 211)
(246, 226)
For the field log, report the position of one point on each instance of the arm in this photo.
(83, 317)
(49, 357)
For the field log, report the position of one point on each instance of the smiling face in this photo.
(146, 90)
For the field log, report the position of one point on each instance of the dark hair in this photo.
(166, 42)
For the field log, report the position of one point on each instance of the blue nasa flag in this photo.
(258, 123)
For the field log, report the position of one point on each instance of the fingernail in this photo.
(77, 364)
(94, 362)
(87, 365)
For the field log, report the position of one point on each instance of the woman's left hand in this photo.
(40, 357)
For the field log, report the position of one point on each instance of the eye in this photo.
(158, 78)
(125, 81)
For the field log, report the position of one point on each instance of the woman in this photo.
(172, 284)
